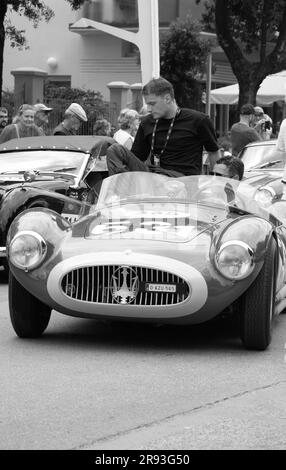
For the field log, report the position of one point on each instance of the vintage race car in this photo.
(41, 171)
(155, 249)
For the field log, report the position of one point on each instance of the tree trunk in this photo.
(3, 10)
(247, 92)
(250, 74)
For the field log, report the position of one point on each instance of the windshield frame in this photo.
(267, 153)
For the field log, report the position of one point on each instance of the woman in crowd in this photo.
(23, 125)
(128, 122)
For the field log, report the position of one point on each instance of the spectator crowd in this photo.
(162, 137)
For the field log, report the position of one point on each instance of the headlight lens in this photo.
(27, 250)
(264, 196)
(235, 260)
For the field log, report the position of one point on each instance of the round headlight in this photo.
(264, 196)
(235, 260)
(27, 250)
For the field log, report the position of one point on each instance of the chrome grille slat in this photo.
(93, 284)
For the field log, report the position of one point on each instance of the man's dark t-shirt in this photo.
(192, 131)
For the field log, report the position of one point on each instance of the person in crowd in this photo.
(169, 140)
(263, 123)
(102, 127)
(229, 167)
(225, 146)
(241, 132)
(128, 121)
(74, 116)
(3, 118)
(23, 126)
(42, 116)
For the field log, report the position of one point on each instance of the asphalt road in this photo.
(86, 385)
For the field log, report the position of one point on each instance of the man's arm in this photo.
(208, 137)
(213, 157)
(140, 146)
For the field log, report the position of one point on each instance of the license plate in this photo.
(70, 217)
(161, 288)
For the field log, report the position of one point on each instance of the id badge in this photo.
(156, 159)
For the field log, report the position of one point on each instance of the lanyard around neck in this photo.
(167, 137)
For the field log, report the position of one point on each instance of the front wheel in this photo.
(29, 316)
(258, 303)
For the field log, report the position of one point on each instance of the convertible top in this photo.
(55, 142)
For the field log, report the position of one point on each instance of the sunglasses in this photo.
(214, 173)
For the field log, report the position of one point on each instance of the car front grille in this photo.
(113, 284)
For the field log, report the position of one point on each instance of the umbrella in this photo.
(273, 88)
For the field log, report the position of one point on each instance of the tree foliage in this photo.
(183, 56)
(60, 97)
(252, 34)
(35, 10)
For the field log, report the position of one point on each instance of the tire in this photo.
(257, 305)
(29, 316)
(5, 269)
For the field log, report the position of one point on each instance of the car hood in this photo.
(154, 221)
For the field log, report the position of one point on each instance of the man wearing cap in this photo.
(41, 117)
(241, 132)
(74, 116)
(263, 123)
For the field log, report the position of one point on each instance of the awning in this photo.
(273, 88)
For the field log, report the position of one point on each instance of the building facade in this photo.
(89, 58)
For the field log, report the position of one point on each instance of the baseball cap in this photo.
(41, 107)
(247, 109)
(258, 110)
(77, 110)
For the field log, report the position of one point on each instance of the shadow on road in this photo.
(216, 334)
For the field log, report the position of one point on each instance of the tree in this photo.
(34, 10)
(60, 97)
(183, 56)
(252, 34)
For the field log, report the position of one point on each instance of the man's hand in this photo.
(213, 158)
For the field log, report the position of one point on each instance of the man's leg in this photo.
(119, 160)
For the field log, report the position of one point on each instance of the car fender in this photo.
(254, 231)
(22, 198)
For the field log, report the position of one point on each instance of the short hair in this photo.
(3, 110)
(258, 110)
(247, 109)
(101, 127)
(126, 117)
(234, 164)
(25, 107)
(158, 86)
